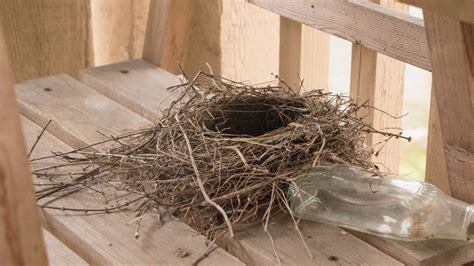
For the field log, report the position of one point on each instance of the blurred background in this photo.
(239, 41)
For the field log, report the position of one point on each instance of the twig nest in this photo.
(223, 155)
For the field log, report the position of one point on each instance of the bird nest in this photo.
(223, 155)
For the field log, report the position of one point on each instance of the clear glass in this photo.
(389, 207)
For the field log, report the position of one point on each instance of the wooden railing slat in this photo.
(385, 31)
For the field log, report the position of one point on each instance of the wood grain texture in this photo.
(118, 29)
(290, 52)
(385, 31)
(327, 244)
(436, 168)
(451, 44)
(167, 32)
(136, 84)
(379, 79)
(47, 37)
(249, 42)
(59, 254)
(255, 247)
(100, 238)
(461, 10)
(430, 252)
(304, 55)
(21, 241)
(314, 59)
(73, 105)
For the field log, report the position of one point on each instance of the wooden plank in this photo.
(461, 9)
(451, 44)
(430, 252)
(21, 241)
(379, 79)
(100, 238)
(385, 31)
(327, 244)
(73, 105)
(167, 31)
(58, 253)
(255, 245)
(148, 96)
(47, 37)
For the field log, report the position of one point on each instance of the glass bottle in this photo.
(385, 206)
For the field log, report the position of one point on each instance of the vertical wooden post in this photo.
(303, 51)
(436, 168)
(451, 46)
(290, 51)
(380, 79)
(167, 31)
(47, 37)
(314, 58)
(21, 241)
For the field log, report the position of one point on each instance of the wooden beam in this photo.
(167, 31)
(385, 31)
(451, 45)
(21, 241)
(47, 37)
(379, 79)
(460, 9)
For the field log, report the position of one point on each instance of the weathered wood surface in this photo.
(430, 252)
(255, 246)
(167, 32)
(451, 44)
(385, 31)
(459, 9)
(379, 79)
(304, 56)
(327, 245)
(118, 29)
(47, 37)
(139, 85)
(436, 168)
(21, 241)
(78, 112)
(290, 52)
(314, 59)
(58, 253)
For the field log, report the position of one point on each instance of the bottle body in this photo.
(389, 207)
